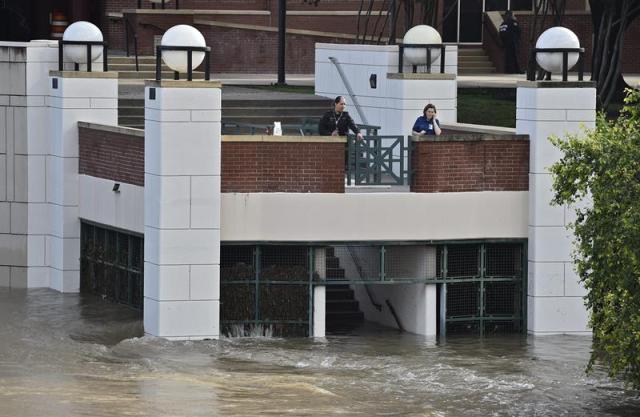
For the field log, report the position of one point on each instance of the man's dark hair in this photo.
(337, 100)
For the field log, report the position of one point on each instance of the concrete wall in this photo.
(373, 216)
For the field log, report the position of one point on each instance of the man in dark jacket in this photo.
(510, 36)
(337, 122)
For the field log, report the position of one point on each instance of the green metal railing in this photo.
(378, 160)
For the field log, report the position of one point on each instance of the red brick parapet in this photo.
(111, 152)
(288, 164)
(470, 162)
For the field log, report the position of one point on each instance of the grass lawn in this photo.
(487, 106)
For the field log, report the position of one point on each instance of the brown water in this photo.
(69, 355)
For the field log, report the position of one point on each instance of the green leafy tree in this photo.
(599, 177)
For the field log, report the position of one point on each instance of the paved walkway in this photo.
(464, 81)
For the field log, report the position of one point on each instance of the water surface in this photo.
(71, 355)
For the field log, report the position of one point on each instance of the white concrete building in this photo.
(239, 231)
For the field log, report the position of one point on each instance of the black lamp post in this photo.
(282, 17)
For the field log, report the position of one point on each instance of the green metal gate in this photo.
(266, 290)
(483, 287)
(378, 160)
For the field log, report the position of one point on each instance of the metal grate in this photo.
(410, 262)
(469, 327)
(111, 264)
(237, 263)
(463, 299)
(265, 290)
(284, 302)
(237, 302)
(502, 298)
(463, 261)
(501, 326)
(504, 259)
(354, 262)
(284, 263)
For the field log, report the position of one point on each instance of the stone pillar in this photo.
(320, 294)
(24, 144)
(74, 96)
(545, 108)
(182, 209)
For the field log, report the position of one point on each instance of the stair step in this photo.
(334, 273)
(148, 75)
(333, 294)
(344, 317)
(146, 59)
(336, 306)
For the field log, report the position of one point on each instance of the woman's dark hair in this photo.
(337, 100)
(427, 107)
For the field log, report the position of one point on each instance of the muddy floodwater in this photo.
(72, 355)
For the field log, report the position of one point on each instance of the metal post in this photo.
(176, 75)
(177, 4)
(442, 55)
(189, 63)
(581, 66)
(207, 65)
(400, 58)
(382, 271)
(88, 57)
(163, 4)
(282, 16)
(139, 4)
(60, 56)
(257, 260)
(158, 63)
(429, 59)
(565, 65)
(105, 56)
(126, 34)
(311, 260)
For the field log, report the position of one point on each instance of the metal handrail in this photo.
(128, 27)
(356, 262)
(345, 80)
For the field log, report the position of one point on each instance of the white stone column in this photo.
(73, 97)
(320, 294)
(182, 209)
(545, 108)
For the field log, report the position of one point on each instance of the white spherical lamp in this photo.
(421, 35)
(82, 32)
(182, 35)
(557, 37)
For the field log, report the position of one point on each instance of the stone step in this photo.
(338, 306)
(335, 292)
(464, 52)
(344, 317)
(131, 60)
(151, 75)
(476, 71)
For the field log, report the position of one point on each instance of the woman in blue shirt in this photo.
(427, 124)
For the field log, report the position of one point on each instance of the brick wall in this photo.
(460, 163)
(248, 166)
(293, 167)
(112, 155)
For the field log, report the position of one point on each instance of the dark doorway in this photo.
(14, 20)
(471, 21)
